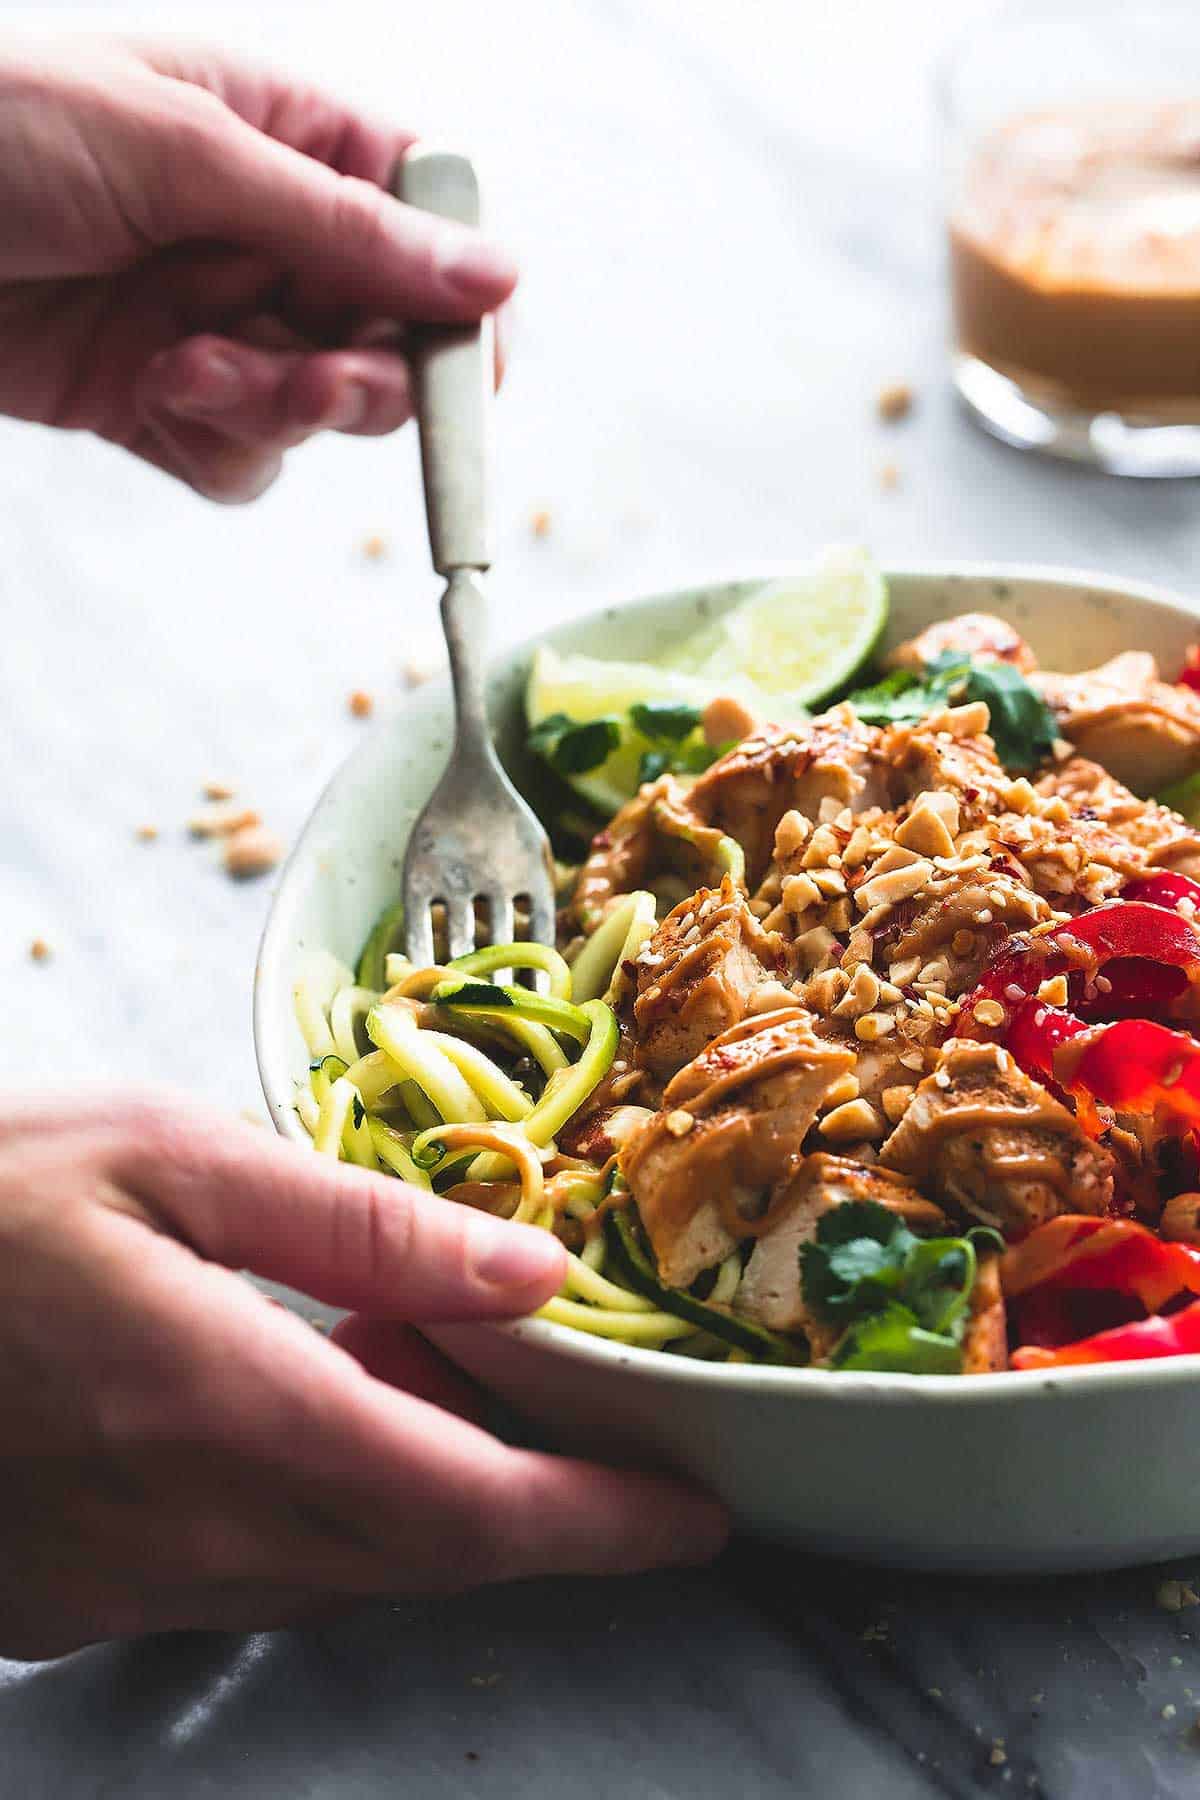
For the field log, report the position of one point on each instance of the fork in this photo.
(476, 840)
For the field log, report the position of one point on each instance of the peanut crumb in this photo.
(146, 834)
(416, 673)
(251, 851)
(218, 790)
(895, 401)
(1053, 992)
(894, 1101)
(361, 704)
(220, 819)
(540, 523)
(39, 950)
(889, 476)
(679, 1122)
(375, 547)
(990, 1012)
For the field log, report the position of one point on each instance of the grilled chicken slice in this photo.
(980, 636)
(696, 975)
(956, 931)
(1144, 731)
(832, 757)
(654, 834)
(771, 1291)
(949, 753)
(1148, 832)
(730, 1128)
(990, 1145)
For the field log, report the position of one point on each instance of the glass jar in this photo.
(1072, 138)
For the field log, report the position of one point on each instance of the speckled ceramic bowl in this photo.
(1083, 1468)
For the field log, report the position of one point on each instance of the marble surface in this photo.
(729, 227)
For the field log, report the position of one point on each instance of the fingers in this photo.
(362, 1241)
(221, 413)
(349, 233)
(400, 1357)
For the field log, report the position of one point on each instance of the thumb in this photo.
(350, 1238)
(367, 248)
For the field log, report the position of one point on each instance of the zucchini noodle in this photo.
(598, 971)
(466, 1078)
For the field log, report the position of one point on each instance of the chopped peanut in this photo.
(799, 893)
(252, 851)
(893, 885)
(361, 704)
(375, 547)
(873, 1026)
(925, 831)
(791, 834)
(840, 1091)
(894, 1101)
(1053, 991)
(39, 950)
(540, 523)
(855, 1119)
(990, 1012)
(218, 790)
(222, 818)
(861, 995)
(725, 721)
(1180, 1220)
(679, 1122)
(146, 834)
(895, 401)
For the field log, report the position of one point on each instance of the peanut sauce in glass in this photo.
(1075, 257)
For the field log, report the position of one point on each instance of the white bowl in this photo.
(1084, 1468)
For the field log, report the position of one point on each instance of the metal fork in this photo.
(476, 840)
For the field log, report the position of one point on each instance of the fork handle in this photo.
(453, 370)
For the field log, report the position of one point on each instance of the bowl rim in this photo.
(849, 1387)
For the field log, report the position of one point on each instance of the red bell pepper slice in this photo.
(1189, 676)
(1166, 889)
(1077, 1251)
(1157, 953)
(1131, 1065)
(1176, 1335)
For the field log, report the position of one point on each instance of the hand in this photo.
(199, 261)
(178, 1451)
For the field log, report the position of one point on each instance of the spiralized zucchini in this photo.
(454, 1080)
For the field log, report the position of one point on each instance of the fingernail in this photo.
(514, 1256)
(475, 267)
(214, 384)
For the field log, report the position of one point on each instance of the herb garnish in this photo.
(1022, 725)
(902, 1299)
(574, 747)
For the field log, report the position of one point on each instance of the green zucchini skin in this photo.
(384, 935)
(638, 1269)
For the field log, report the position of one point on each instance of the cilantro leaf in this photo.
(903, 1299)
(653, 764)
(1022, 725)
(664, 721)
(895, 1340)
(572, 747)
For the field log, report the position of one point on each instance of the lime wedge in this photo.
(800, 639)
(584, 687)
(790, 645)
